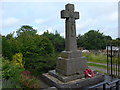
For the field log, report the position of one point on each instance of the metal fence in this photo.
(113, 60)
(114, 85)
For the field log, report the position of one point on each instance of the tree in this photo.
(57, 41)
(10, 46)
(26, 29)
(80, 41)
(93, 40)
(33, 44)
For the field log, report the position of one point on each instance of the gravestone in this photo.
(69, 72)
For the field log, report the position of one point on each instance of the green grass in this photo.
(95, 58)
(100, 66)
(101, 72)
(97, 65)
(100, 58)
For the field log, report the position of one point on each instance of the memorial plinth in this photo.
(70, 66)
(70, 63)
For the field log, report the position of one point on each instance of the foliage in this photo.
(0, 45)
(29, 81)
(10, 71)
(10, 46)
(31, 45)
(115, 42)
(16, 77)
(34, 45)
(26, 29)
(9, 84)
(44, 47)
(27, 42)
(39, 65)
(17, 59)
(39, 51)
(93, 40)
(6, 49)
(57, 41)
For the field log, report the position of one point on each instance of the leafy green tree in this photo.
(33, 44)
(115, 42)
(27, 30)
(80, 41)
(57, 41)
(10, 46)
(36, 49)
(93, 40)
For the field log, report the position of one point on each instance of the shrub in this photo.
(29, 81)
(11, 71)
(17, 59)
(39, 65)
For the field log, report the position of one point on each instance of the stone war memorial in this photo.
(69, 72)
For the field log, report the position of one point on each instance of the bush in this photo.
(10, 71)
(16, 77)
(29, 81)
(39, 65)
(17, 59)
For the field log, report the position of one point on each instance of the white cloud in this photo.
(112, 31)
(62, 34)
(106, 23)
(41, 32)
(40, 21)
(60, 1)
(50, 29)
(1, 11)
(9, 22)
(35, 28)
(86, 23)
(113, 16)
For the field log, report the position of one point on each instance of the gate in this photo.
(113, 70)
(113, 60)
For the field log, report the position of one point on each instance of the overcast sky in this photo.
(102, 16)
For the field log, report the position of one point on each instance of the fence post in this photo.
(104, 86)
(117, 85)
(111, 61)
(107, 59)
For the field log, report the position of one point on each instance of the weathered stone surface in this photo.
(64, 78)
(78, 83)
(71, 66)
(70, 16)
(50, 88)
(71, 61)
(71, 54)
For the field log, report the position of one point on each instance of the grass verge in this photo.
(101, 66)
(97, 65)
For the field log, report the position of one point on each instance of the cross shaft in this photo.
(70, 27)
